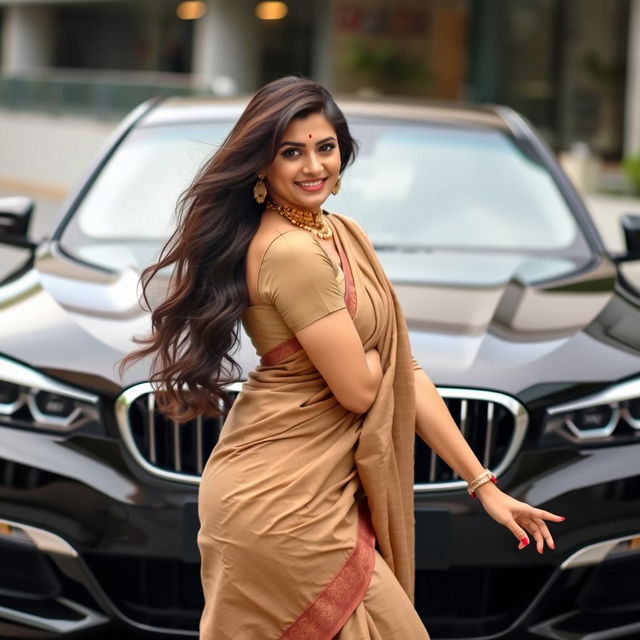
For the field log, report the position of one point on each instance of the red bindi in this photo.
(310, 135)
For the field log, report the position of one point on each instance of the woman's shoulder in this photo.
(291, 245)
(292, 239)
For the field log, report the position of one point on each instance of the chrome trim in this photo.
(7, 408)
(50, 421)
(521, 419)
(150, 425)
(547, 629)
(634, 423)
(614, 396)
(26, 284)
(90, 618)
(594, 553)
(127, 397)
(25, 376)
(463, 423)
(487, 439)
(599, 432)
(51, 543)
(41, 538)
(463, 416)
(33, 382)
(123, 402)
(177, 461)
(616, 393)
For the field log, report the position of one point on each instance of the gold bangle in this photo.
(483, 478)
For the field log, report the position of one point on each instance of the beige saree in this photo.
(299, 490)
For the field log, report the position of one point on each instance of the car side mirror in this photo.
(631, 229)
(15, 217)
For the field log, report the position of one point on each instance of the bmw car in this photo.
(528, 326)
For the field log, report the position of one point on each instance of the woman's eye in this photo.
(290, 153)
(328, 146)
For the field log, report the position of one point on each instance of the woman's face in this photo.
(307, 164)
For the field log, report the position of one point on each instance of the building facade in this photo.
(571, 66)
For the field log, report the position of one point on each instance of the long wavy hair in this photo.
(196, 327)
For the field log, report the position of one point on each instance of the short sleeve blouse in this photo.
(299, 279)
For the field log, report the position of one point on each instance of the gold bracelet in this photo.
(483, 478)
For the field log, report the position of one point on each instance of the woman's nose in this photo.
(312, 165)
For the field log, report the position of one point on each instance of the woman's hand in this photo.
(518, 517)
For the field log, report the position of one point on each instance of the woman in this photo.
(306, 502)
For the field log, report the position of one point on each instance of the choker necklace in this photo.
(303, 218)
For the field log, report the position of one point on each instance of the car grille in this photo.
(166, 593)
(493, 423)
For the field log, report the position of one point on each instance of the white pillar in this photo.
(225, 48)
(27, 38)
(632, 101)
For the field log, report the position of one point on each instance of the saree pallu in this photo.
(298, 489)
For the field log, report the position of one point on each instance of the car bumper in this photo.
(94, 555)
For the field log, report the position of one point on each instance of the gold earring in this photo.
(260, 190)
(336, 188)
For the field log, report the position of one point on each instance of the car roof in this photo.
(181, 109)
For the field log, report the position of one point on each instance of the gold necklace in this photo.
(303, 218)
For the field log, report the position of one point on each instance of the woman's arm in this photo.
(437, 428)
(334, 347)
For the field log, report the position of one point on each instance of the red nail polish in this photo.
(562, 518)
(553, 546)
(524, 541)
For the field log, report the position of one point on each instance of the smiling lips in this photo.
(312, 185)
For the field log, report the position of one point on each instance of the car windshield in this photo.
(413, 187)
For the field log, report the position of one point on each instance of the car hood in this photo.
(494, 320)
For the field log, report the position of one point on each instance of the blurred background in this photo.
(70, 69)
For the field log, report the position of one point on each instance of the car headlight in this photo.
(612, 415)
(31, 399)
(631, 412)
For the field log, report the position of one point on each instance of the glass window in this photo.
(130, 208)
(136, 35)
(437, 186)
(413, 187)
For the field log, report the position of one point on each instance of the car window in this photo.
(429, 186)
(413, 186)
(130, 208)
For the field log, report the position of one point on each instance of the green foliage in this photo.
(382, 64)
(631, 166)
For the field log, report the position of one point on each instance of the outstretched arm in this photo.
(437, 428)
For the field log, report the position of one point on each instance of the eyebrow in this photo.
(304, 144)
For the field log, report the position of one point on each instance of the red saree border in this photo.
(281, 351)
(291, 345)
(350, 295)
(327, 614)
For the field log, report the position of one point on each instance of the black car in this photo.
(527, 326)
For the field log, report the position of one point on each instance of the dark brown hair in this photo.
(197, 326)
